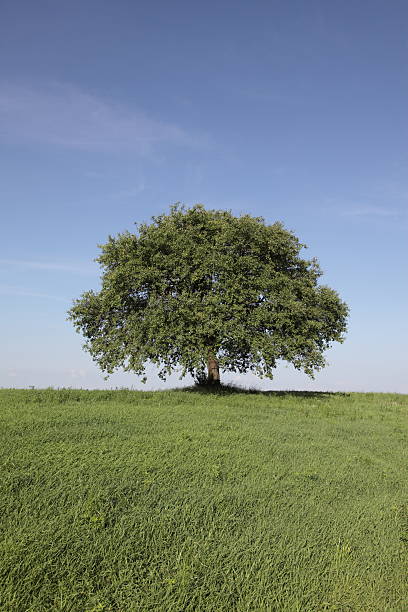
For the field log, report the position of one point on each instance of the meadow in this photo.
(117, 501)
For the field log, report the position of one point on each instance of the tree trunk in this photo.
(213, 371)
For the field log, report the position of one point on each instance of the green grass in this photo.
(198, 501)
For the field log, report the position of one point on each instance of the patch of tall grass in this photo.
(203, 500)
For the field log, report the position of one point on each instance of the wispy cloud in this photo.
(66, 116)
(128, 193)
(371, 211)
(22, 292)
(48, 265)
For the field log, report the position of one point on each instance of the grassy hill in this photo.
(188, 501)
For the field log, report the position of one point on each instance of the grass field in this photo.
(188, 501)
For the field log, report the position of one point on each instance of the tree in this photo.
(204, 290)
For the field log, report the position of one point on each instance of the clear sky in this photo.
(293, 110)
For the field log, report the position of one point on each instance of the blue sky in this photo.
(293, 110)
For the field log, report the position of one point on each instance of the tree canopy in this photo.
(202, 291)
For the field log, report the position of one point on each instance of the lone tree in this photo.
(204, 290)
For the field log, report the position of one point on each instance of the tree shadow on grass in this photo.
(233, 390)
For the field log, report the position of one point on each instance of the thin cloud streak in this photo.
(65, 116)
(48, 265)
(22, 292)
(371, 211)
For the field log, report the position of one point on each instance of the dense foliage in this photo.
(201, 289)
